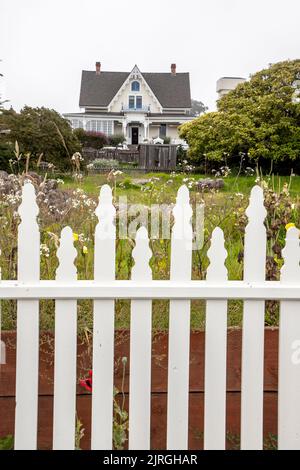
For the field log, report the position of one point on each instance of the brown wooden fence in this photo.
(159, 387)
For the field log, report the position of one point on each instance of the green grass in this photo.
(233, 184)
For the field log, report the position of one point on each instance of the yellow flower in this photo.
(84, 250)
(75, 237)
(290, 225)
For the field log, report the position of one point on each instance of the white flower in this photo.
(117, 172)
(44, 250)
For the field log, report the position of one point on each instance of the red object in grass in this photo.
(88, 382)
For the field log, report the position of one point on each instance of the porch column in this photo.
(124, 124)
(145, 130)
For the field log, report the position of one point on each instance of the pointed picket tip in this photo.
(291, 233)
(105, 199)
(66, 255)
(142, 234)
(217, 255)
(218, 235)
(141, 255)
(290, 271)
(183, 195)
(256, 209)
(28, 206)
(182, 213)
(105, 195)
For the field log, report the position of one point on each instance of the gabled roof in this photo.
(172, 91)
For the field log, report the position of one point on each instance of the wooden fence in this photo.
(141, 290)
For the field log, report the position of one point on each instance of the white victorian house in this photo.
(142, 106)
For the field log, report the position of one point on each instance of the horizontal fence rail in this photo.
(168, 290)
(141, 290)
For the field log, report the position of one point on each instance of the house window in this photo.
(77, 124)
(135, 86)
(135, 102)
(131, 102)
(163, 131)
(97, 125)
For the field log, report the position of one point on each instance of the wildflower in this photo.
(88, 382)
(75, 236)
(84, 250)
(290, 225)
(44, 250)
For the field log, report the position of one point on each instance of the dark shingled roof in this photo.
(172, 91)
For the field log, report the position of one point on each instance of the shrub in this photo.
(103, 164)
(167, 140)
(116, 139)
(95, 140)
(41, 131)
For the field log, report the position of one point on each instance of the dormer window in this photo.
(135, 86)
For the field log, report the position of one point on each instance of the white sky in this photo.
(44, 44)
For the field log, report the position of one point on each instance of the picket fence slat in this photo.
(64, 406)
(141, 290)
(215, 350)
(27, 355)
(253, 327)
(179, 326)
(140, 350)
(289, 350)
(103, 326)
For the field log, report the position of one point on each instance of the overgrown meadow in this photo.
(224, 208)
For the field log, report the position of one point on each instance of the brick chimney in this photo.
(173, 69)
(98, 68)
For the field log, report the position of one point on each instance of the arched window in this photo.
(135, 86)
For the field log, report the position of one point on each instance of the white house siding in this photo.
(172, 131)
(118, 128)
(123, 98)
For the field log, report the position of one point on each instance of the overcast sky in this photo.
(44, 44)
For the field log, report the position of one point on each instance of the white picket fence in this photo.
(141, 289)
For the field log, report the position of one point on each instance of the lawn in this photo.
(233, 184)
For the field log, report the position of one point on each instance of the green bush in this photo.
(116, 139)
(258, 121)
(6, 154)
(102, 164)
(95, 140)
(41, 131)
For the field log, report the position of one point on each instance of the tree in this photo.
(198, 108)
(41, 131)
(260, 119)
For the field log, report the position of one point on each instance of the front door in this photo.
(134, 135)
